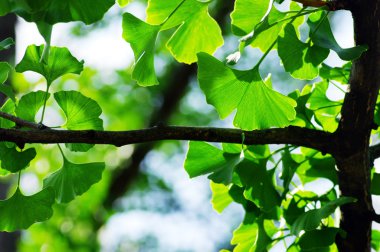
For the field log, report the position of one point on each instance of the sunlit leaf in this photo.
(30, 104)
(142, 37)
(5, 68)
(123, 3)
(310, 220)
(244, 237)
(73, 179)
(229, 89)
(203, 158)
(82, 113)
(375, 240)
(60, 62)
(340, 74)
(321, 35)
(14, 160)
(300, 59)
(19, 211)
(220, 196)
(197, 31)
(247, 14)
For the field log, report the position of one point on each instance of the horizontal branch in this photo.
(21, 122)
(291, 135)
(374, 152)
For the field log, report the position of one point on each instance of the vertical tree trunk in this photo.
(355, 127)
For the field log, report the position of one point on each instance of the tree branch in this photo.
(21, 122)
(374, 152)
(315, 139)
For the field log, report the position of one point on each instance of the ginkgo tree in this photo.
(311, 136)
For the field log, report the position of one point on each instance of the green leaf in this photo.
(312, 219)
(318, 239)
(247, 14)
(60, 62)
(300, 59)
(122, 3)
(5, 68)
(229, 89)
(375, 240)
(325, 111)
(220, 196)
(267, 31)
(6, 43)
(321, 35)
(13, 160)
(251, 237)
(9, 108)
(30, 104)
(289, 167)
(142, 37)
(244, 237)
(57, 11)
(73, 179)
(203, 158)
(304, 115)
(82, 113)
(340, 74)
(19, 211)
(197, 31)
(375, 184)
(260, 188)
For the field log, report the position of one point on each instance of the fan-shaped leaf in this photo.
(82, 113)
(13, 160)
(60, 62)
(228, 89)
(142, 37)
(73, 179)
(29, 105)
(19, 211)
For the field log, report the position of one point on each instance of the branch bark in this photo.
(291, 135)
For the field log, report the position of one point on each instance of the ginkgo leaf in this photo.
(60, 62)
(142, 37)
(310, 220)
(300, 59)
(30, 104)
(203, 158)
(318, 239)
(229, 89)
(220, 196)
(321, 35)
(82, 113)
(251, 237)
(9, 108)
(122, 3)
(197, 31)
(57, 11)
(5, 68)
(14, 160)
(247, 14)
(267, 31)
(340, 74)
(73, 179)
(19, 211)
(6, 43)
(325, 111)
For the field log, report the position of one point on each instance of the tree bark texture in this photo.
(353, 135)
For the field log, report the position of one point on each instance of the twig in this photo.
(22, 122)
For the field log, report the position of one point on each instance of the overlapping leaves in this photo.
(197, 32)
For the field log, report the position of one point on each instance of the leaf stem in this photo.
(45, 100)
(19, 179)
(60, 149)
